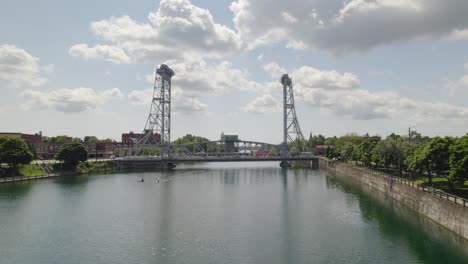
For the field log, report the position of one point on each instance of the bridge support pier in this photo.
(285, 164)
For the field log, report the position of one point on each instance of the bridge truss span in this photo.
(155, 142)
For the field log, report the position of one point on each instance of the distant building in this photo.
(100, 149)
(131, 138)
(322, 149)
(33, 139)
(187, 137)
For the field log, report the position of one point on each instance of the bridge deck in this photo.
(218, 159)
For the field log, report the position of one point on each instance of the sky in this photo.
(86, 67)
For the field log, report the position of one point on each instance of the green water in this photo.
(214, 213)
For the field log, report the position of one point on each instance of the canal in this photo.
(214, 213)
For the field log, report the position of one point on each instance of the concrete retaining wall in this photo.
(451, 214)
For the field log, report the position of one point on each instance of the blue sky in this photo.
(375, 66)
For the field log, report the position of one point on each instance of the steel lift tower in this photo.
(158, 126)
(291, 129)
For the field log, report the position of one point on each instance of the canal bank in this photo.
(449, 211)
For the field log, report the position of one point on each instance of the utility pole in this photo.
(409, 135)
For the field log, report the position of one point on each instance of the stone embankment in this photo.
(445, 209)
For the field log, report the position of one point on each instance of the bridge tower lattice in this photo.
(158, 125)
(291, 129)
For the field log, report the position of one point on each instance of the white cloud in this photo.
(348, 25)
(19, 68)
(314, 78)
(69, 100)
(180, 101)
(197, 78)
(177, 30)
(110, 53)
(342, 94)
(213, 79)
(263, 104)
(461, 84)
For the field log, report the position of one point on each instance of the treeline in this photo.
(65, 138)
(16, 151)
(412, 155)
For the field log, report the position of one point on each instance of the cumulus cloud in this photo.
(180, 101)
(19, 68)
(110, 53)
(342, 94)
(197, 78)
(177, 30)
(461, 84)
(69, 100)
(263, 104)
(348, 25)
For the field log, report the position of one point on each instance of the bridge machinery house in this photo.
(229, 142)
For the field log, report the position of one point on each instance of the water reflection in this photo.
(430, 242)
(217, 214)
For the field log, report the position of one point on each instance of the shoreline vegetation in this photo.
(438, 162)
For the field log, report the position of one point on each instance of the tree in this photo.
(190, 141)
(14, 151)
(331, 141)
(59, 139)
(91, 139)
(459, 161)
(366, 149)
(71, 154)
(397, 146)
(432, 157)
(32, 149)
(347, 152)
(315, 140)
(383, 154)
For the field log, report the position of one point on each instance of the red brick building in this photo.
(33, 139)
(132, 138)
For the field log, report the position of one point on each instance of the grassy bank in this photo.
(94, 167)
(22, 170)
(440, 183)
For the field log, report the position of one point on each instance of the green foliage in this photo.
(190, 140)
(151, 151)
(14, 151)
(348, 152)
(432, 157)
(92, 139)
(331, 141)
(59, 139)
(32, 149)
(351, 139)
(384, 154)
(71, 154)
(91, 167)
(30, 170)
(315, 140)
(331, 153)
(459, 161)
(366, 150)
(297, 147)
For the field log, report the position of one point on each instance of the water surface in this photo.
(214, 213)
